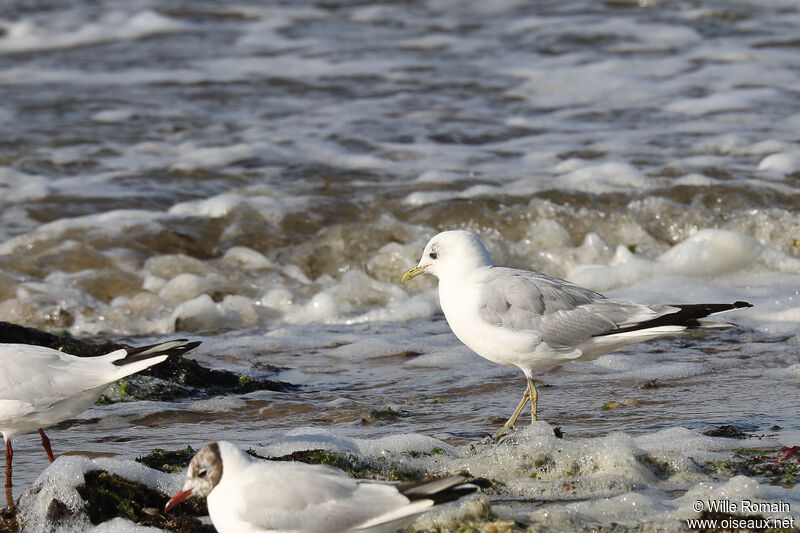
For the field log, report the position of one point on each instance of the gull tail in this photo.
(173, 348)
(104, 369)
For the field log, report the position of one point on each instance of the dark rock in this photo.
(13, 333)
(650, 384)
(109, 496)
(726, 430)
(387, 414)
(58, 510)
(8, 520)
(190, 373)
(169, 462)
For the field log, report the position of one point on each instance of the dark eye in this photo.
(433, 255)
(202, 473)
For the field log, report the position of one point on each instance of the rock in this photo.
(109, 496)
(726, 430)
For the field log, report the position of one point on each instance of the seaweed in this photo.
(780, 466)
(170, 462)
(109, 496)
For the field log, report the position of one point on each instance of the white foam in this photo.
(445, 360)
(264, 35)
(603, 177)
(416, 306)
(731, 143)
(244, 257)
(377, 347)
(19, 186)
(271, 208)
(113, 116)
(341, 298)
(218, 403)
(203, 314)
(707, 253)
(683, 440)
(183, 287)
(424, 198)
(26, 35)
(322, 307)
(59, 480)
(735, 100)
(734, 490)
(168, 266)
(438, 176)
(111, 224)
(121, 525)
(192, 157)
(249, 312)
(785, 163)
(215, 207)
(629, 508)
(302, 439)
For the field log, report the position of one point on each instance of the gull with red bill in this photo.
(40, 386)
(246, 495)
(534, 321)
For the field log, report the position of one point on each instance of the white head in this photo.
(204, 473)
(451, 252)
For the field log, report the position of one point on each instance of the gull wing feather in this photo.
(565, 314)
(40, 376)
(301, 499)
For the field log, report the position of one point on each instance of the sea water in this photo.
(259, 176)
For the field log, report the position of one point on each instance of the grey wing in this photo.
(563, 313)
(311, 498)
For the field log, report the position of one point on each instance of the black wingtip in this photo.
(452, 489)
(146, 352)
(688, 316)
(453, 494)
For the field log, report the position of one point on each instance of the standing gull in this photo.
(534, 321)
(40, 386)
(247, 496)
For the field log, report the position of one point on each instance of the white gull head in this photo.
(204, 474)
(451, 254)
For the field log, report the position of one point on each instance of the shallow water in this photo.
(259, 177)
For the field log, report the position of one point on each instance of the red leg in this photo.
(9, 455)
(46, 444)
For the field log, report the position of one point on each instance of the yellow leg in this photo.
(518, 410)
(533, 394)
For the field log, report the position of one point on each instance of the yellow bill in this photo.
(413, 273)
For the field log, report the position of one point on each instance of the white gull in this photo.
(40, 386)
(534, 321)
(248, 496)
